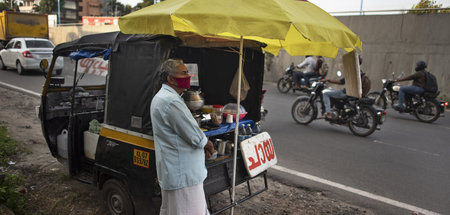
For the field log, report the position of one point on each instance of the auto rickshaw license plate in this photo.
(141, 158)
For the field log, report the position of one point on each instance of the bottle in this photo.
(242, 133)
(257, 129)
(249, 131)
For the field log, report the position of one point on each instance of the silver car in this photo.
(26, 54)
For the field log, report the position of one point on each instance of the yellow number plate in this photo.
(141, 158)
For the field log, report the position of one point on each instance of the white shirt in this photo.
(310, 64)
(179, 142)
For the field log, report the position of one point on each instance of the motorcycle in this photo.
(425, 107)
(286, 82)
(358, 113)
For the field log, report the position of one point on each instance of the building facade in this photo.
(72, 11)
(89, 8)
(27, 6)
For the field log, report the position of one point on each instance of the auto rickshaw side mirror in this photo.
(43, 64)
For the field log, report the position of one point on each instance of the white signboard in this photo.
(352, 74)
(258, 153)
(93, 66)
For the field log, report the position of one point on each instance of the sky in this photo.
(349, 5)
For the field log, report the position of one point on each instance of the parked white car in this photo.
(26, 54)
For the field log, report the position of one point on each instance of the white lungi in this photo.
(184, 201)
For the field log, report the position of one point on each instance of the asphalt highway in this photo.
(406, 161)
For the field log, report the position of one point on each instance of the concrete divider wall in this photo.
(391, 43)
(68, 33)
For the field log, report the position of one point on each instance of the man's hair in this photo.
(168, 68)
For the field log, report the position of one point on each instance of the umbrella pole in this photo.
(236, 128)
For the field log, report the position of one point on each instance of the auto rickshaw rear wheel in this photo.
(116, 198)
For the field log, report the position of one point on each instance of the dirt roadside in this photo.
(51, 191)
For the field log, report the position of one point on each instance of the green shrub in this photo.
(10, 195)
(9, 183)
(8, 146)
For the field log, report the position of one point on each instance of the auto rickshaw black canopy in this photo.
(133, 76)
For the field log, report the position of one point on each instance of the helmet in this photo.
(421, 65)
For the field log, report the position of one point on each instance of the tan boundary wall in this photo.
(391, 43)
(68, 33)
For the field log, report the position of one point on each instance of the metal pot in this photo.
(194, 101)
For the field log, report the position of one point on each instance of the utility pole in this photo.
(360, 9)
(59, 13)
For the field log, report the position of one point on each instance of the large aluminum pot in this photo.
(194, 101)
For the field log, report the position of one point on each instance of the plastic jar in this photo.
(216, 114)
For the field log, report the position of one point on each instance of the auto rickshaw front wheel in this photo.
(116, 198)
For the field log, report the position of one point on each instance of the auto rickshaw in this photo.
(120, 159)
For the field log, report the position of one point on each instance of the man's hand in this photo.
(209, 150)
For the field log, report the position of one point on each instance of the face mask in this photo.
(418, 69)
(183, 83)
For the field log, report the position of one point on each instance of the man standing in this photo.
(416, 87)
(180, 145)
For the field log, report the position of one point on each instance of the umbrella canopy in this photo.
(300, 27)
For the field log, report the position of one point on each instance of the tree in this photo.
(425, 4)
(6, 5)
(119, 9)
(128, 9)
(47, 6)
(143, 4)
(123, 9)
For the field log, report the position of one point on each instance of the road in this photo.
(34, 80)
(406, 161)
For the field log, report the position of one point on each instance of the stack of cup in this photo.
(229, 118)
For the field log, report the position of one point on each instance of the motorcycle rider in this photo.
(327, 93)
(417, 86)
(310, 64)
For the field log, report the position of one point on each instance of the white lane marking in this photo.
(20, 89)
(440, 126)
(355, 191)
(407, 148)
